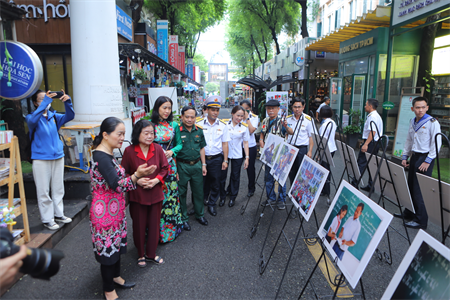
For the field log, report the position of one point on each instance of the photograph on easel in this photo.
(307, 186)
(271, 148)
(283, 163)
(352, 230)
(424, 272)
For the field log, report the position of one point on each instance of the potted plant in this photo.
(353, 130)
(140, 75)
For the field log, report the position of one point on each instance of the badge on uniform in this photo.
(197, 136)
(183, 136)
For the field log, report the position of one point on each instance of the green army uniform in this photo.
(190, 169)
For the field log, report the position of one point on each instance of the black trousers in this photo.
(211, 182)
(362, 160)
(235, 178)
(326, 165)
(108, 273)
(302, 150)
(421, 215)
(251, 173)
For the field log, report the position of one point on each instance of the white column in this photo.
(97, 92)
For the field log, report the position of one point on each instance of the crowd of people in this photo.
(165, 157)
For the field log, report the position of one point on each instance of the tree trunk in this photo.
(426, 52)
(136, 14)
(15, 122)
(304, 7)
(256, 48)
(275, 39)
(265, 46)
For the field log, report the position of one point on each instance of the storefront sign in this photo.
(61, 10)
(173, 50)
(124, 24)
(320, 54)
(163, 39)
(299, 61)
(388, 105)
(21, 73)
(355, 46)
(404, 10)
(182, 62)
(190, 68)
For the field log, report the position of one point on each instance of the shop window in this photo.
(319, 29)
(329, 24)
(357, 66)
(351, 12)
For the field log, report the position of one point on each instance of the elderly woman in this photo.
(167, 135)
(107, 214)
(146, 201)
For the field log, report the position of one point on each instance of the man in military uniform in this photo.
(272, 124)
(252, 121)
(191, 166)
(216, 151)
(420, 146)
(299, 127)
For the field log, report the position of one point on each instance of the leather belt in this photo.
(302, 146)
(209, 157)
(189, 162)
(419, 153)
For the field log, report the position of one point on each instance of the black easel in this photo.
(244, 206)
(445, 233)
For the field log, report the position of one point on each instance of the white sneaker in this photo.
(51, 225)
(63, 219)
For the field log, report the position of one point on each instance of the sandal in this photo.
(157, 260)
(140, 261)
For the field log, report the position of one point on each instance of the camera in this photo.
(39, 263)
(58, 94)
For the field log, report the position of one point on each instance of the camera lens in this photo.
(42, 263)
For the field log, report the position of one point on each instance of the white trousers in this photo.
(49, 174)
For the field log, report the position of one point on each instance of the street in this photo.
(218, 261)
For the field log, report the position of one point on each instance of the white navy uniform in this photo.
(329, 134)
(255, 122)
(376, 119)
(252, 149)
(320, 107)
(238, 134)
(420, 146)
(215, 135)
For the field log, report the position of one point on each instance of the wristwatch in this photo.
(225, 161)
(204, 164)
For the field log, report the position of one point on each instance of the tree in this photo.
(201, 61)
(304, 28)
(212, 87)
(275, 15)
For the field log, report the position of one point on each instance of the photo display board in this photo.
(271, 148)
(283, 163)
(307, 186)
(350, 160)
(352, 230)
(430, 191)
(424, 272)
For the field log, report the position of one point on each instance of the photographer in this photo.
(9, 266)
(48, 155)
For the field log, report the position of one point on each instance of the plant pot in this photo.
(352, 139)
(138, 81)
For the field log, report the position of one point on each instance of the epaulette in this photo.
(289, 116)
(433, 120)
(253, 115)
(245, 124)
(201, 127)
(308, 117)
(199, 119)
(224, 122)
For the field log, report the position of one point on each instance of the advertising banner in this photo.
(190, 68)
(124, 24)
(197, 73)
(182, 58)
(162, 39)
(173, 50)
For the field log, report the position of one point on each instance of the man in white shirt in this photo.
(216, 151)
(373, 130)
(420, 147)
(252, 122)
(326, 101)
(349, 232)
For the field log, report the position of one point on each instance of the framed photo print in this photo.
(307, 186)
(271, 148)
(352, 230)
(283, 163)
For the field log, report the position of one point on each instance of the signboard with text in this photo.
(163, 39)
(405, 10)
(173, 50)
(182, 62)
(124, 24)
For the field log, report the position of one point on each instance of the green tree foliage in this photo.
(212, 87)
(188, 18)
(201, 61)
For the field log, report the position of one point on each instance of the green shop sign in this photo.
(388, 105)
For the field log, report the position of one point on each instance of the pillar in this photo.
(97, 92)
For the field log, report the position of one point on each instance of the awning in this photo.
(380, 17)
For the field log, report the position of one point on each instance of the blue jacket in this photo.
(46, 144)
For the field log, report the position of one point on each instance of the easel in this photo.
(15, 176)
(244, 206)
(340, 281)
(444, 232)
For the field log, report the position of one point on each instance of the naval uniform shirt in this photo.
(215, 135)
(302, 132)
(420, 138)
(238, 135)
(323, 133)
(375, 117)
(192, 141)
(255, 122)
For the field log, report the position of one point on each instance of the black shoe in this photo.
(125, 285)
(250, 194)
(202, 221)
(212, 211)
(186, 226)
(366, 188)
(222, 202)
(415, 225)
(231, 204)
(402, 216)
(191, 212)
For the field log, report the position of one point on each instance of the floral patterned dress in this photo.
(171, 223)
(107, 215)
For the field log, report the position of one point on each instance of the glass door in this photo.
(358, 93)
(335, 96)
